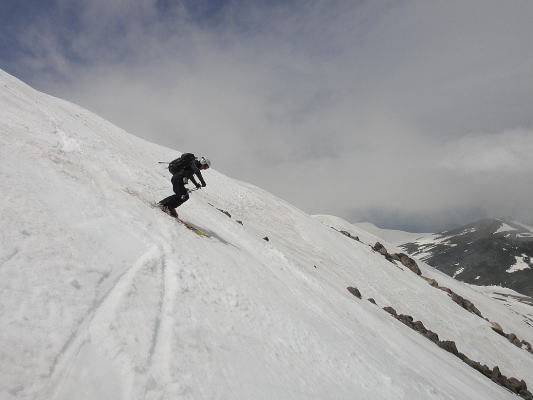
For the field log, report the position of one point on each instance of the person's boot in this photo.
(172, 212)
(165, 209)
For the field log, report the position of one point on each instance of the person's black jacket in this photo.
(188, 172)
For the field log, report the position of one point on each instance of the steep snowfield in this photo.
(104, 297)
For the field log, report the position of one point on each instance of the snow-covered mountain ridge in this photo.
(103, 296)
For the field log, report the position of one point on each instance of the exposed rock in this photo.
(266, 238)
(348, 234)
(527, 345)
(395, 257)
(513, 384)
(496, 327)
(383, 251)
(484, 369)
(239, 222)
(449, 346)
(466, 304)
(511, 337)
(380, 248)
(495, 374)
(432, 282)
(354, 291)
(390, 310)
(419, 327)
(408, 262)
(371, 300)
(445, 289)
(432, 336)
(406, 319)
(467, 246)
(224, 212)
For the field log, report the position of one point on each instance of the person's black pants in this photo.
(180, 196)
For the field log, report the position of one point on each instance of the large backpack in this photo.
(180, 163)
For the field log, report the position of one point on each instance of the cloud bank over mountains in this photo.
(411, 114)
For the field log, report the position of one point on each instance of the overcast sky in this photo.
(415, 115)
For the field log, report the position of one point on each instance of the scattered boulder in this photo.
(527, 345)
(496, 327)
(354, 291)
(419, 327)
(390, 310)
(239, 222)
(408, 262)
(224, 212)
(445, 289)
(513, 384)
(380, 249)
(383, 251)
(449, 346)
(266, 238)
(495, 373)
(466, 304)
(511, 337)
(526, 394)
(432, 336)
(348, 234)
(432, 282)
(406, 319)
(395, 257)
(370, 299)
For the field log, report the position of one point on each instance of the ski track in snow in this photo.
(103, 311)
(71, 347)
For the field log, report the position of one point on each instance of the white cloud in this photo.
(501, 154)
(338, 106)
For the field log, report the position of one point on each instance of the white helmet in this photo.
(205, 161)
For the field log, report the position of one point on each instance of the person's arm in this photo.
(198, 173)
(194, 182)
(201, 178)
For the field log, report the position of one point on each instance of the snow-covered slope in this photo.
(104, 297)
(392, 236)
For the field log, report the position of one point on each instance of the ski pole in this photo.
(163, 162)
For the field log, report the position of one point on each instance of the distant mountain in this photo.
(485, 252)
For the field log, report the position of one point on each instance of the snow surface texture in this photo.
(521, 264)
(104, 297)
(392, 236)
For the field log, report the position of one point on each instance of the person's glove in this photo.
(203, 185)
(198, 186)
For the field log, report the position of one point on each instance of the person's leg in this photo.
(178, 183)
(168, 200)
(169, 205)
(182, 199)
